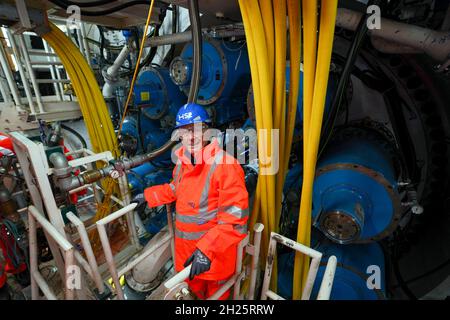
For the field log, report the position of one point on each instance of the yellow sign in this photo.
(145, 96)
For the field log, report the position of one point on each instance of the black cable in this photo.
(64, 5)
(87, 4)
(360, 34)
(75, 133)
(148, 58)
(196, 31)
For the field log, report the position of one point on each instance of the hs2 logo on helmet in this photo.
(185, 116)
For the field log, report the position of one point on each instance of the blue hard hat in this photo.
(191, 113)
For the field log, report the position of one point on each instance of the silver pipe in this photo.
(63, 172)
(111, 74)
(436, 44)
(33, 256)
(30, 71)
(328, 278)
(391, 47)
(184, 37)
(258, 229)
(9, 77)
(25, 83)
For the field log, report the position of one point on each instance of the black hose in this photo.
(360, 34)
(148, 58)
(196, 30)
(75, 133)
(64, 5)
(87, 4)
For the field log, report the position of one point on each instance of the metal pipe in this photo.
(33, 256)
(110, 259)
(227, 285)
(258, 228)
(25, 83)
(238, 270)
(9, 77)
(63, 172)
(69, 262)
(117, 214)
(269, 267)
(66, 246)
(111, 74)
(107, 248)
(436, 44)
(391, 47)
(272, 295)
(88, 251)
(328, 278)
(145, 254)
(179, 277)
(194, 17)
(48, 293)
(83, 262)
(50, 229)
(184, 37)
(30, 71)
(312, 273)
(91, 176)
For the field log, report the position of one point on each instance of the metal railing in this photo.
(316, 256)
(37, 280)
(237, 277)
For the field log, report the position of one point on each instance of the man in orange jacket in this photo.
(211, 205)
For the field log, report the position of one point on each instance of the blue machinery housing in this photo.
(355, 202)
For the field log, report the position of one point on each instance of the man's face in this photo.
(192, 137)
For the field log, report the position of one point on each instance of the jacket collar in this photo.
(206, 155)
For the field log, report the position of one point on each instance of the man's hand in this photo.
(140, 201)
(200, 263)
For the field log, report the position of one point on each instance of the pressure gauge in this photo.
(180, 71)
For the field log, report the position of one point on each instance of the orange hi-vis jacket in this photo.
(211, 208)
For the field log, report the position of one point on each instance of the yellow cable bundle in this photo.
(280, 99)
(326, 37)
(92, 104)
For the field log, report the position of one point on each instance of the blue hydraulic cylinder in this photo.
(355, 197)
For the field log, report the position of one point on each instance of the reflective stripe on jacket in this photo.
(211, 208)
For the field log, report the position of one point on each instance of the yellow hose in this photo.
(261, 186)
(326, 36)
(279, 9)
(309, 63)
(91, 101)
(138, 61)
(294, 12)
